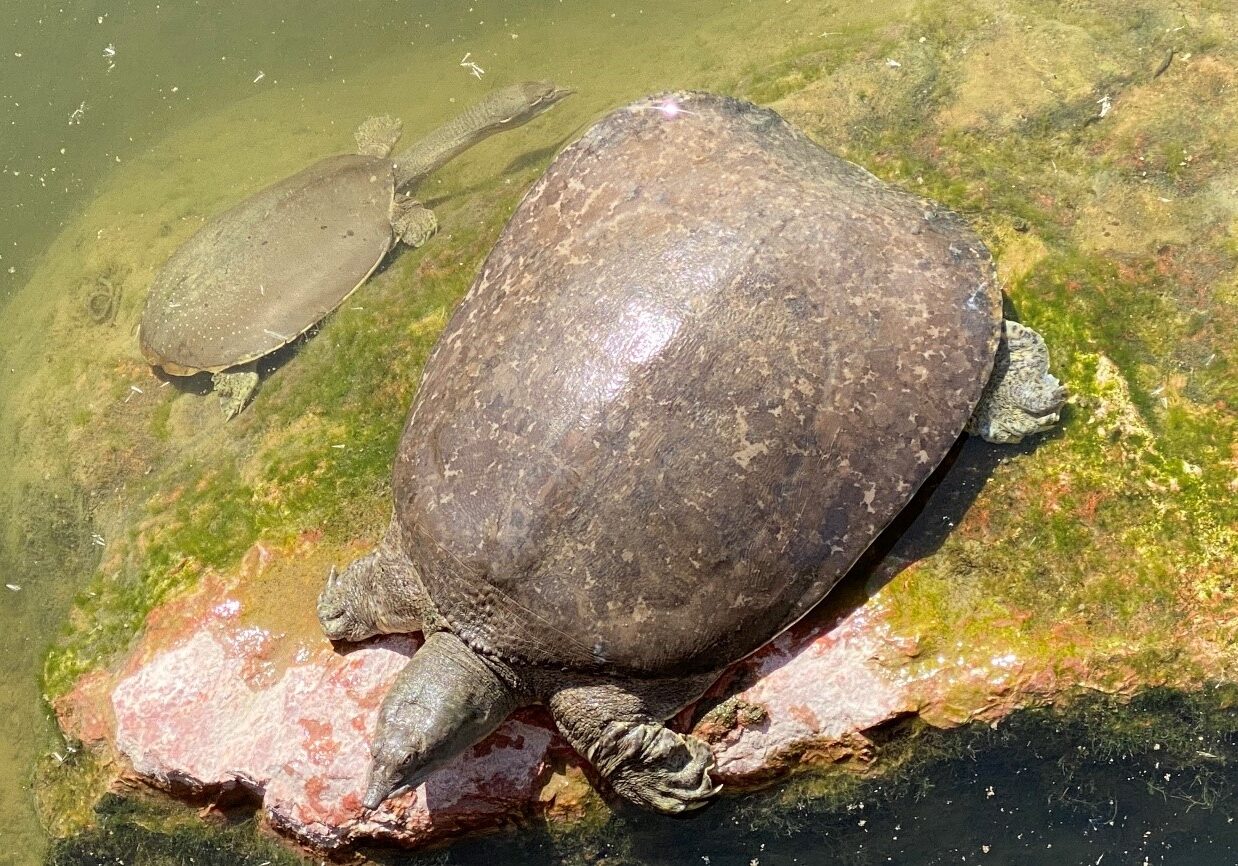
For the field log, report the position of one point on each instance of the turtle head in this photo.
(517, 104)
(445, 700)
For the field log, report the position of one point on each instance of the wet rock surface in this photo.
(209, 703)
(1103, 562)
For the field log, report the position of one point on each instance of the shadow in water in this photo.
(1042, 790)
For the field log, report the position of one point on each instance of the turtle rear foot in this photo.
(235, 389)
(618, 727)
(413, 222)
(1022, 396)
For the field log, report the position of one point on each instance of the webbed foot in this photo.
(341, 610)
(1022, 397)
(616, 725)
(379, 593)
(235, 389)
(655, 767)
(376, 136)
(413, 222)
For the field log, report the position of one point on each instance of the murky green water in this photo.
(124, 123)
(111, 109)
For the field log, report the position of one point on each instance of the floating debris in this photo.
(76, 117)
(261, 75)
(473, 68)
(13, 586)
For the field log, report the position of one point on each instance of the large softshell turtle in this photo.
(703, 367)
(264, 272)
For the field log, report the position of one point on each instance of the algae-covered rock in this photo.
(1105, 564)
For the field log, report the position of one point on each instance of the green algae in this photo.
(1114, 540)
(136, 831)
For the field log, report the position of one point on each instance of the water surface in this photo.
(126, 124)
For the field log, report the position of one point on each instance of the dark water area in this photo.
(1153, 782)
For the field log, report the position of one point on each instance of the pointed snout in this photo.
(385, 776)
(376, 790)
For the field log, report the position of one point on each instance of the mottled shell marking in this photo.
(704, 365)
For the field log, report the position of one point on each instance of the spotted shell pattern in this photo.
(261, 274)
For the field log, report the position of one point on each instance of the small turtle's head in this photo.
(517, 104)
(445, 700)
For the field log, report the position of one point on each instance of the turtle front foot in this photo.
(341, 609)
(413, 222)
(655, 767)
(235, 390)
(1022, 397)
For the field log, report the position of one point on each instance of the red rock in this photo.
(816, 684)
(206, 715)
(208, 703)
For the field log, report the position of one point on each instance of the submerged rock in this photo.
(209, 703)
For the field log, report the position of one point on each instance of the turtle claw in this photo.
(413, 222)
(654, 767)
(337, 612)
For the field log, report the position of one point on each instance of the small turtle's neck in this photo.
(427, 155)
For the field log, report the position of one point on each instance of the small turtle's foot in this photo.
(413, 222)
(235, 390)
(1022, 396)
(655, 767)
(342, 608)
(376, 136)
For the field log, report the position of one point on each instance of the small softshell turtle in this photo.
(705, 364)
(264, 272)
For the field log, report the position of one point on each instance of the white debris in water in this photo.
(475, 70)
(76, 117)
(261, 75)
(13, 587)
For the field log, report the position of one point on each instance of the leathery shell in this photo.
(704, 365)
(266, 271)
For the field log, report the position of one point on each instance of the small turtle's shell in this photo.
(705, 364)
(264, 272)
